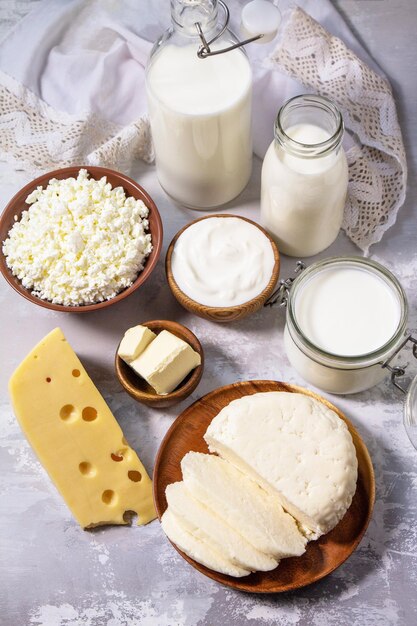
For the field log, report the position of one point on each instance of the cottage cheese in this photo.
(80, 242)
(294, 447)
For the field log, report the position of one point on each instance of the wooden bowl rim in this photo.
(66, 172)
(193, 304)
(237, 583)
(180, 392)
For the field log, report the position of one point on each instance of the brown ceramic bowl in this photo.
(17, 205)
(141, 391)
(221, 314)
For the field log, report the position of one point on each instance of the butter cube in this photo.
(134, 342)
(166, 362)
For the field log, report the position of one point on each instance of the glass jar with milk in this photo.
(200, 108)
(305, 176)
(347, 328)
(346, 317)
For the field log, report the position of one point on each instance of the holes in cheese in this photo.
(87, 469)
(76, 373)
(76, 455)
(89, 414)
(134, 475)
(68, 412)
(109, 497)
(128, 516)
(123, 454)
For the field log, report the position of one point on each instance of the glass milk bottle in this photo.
(305, 177)
(200, 108)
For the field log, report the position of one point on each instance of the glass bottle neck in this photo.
(185, 14)
(314, 113)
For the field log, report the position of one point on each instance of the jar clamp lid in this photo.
(410, 406)
(205, 51)
(283, 294)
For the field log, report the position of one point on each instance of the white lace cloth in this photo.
(37, 137)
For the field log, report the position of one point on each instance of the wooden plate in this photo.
(322, 556)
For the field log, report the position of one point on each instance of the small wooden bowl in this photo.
(17, 205)
(221, 314)
(141, 391)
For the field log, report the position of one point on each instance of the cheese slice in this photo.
(242, 504)
(295, 447)
(76, 437)
(205, 525)
(198, 549)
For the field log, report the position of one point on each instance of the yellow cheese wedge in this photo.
(77, 438)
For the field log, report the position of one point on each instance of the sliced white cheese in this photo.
(197, 549)
(242, 504)
(205, 525)
(296, 448)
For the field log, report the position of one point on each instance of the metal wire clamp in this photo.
(399, 370)
(280, 295)
(204, 50)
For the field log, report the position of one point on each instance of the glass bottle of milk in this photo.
(305, 176)
(200, 109)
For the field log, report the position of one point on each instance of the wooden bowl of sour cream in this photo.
(222, 267)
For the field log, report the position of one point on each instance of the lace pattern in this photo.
(377, 167)
(35, 137)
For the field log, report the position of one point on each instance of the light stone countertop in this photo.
(54, 574)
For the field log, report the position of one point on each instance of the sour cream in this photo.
(222, 261)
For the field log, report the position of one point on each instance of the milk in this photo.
(348, 320)
(347, 312)
(303, 198)
(329, 379)
(200, 114)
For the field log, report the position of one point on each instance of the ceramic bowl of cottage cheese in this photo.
(79, 239)
(222, 267)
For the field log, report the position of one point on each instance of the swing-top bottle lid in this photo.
(260, 16)
(260, 21)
